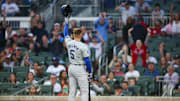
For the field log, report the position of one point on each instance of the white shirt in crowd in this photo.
(127, 12)
(176, 27)
(56, 87)
(151, 59)
(129, 74)
(34, 82)
(10, 9)
(11, 64)
(98, 48)
(55, 70)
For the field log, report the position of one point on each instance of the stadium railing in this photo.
(18, 22)
(89, 21)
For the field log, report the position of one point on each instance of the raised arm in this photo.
(129, 34)
(101, 38)
(148, 35)
(66, 27)
(4, 19)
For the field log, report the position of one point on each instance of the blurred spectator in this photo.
(138, 49)
(8, 62)
(168, 27)
(31, 48)
(162, 49)
(163, 34)
(163, 65)
(56, 68)
(17, 56)
(64, 91)
(57, 41)
(2, 58)
(151, 71)
(22, 37)
(158, 12)
(139, 31)
(170, 79)
(13, 39)
(96, 86)
(39, 31)
(176, 62)
(44, 44)
(33, 90)
(10, 8)
(2, 33)
(12, 79)
(117, 70)
(53, 82)
(31, 79)
(131, 73)
(85, 33)
(127, 59)
(149, 57)
(118, 90)
(35, 19)
(35, 68)
(101, 25)
(112, 27)
(157, 29)
(30, 39)
(130, 22)
(73, 24)
(142, 7)
(126, 11)
(111, 77)
(132, 82)
(176, 24)
(103, 83)
(168, 57)
(97, 45)
(40, 72)
(26, 60)
(63, 78)
(125, 87)
(115, 60)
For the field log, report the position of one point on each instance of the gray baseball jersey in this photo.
(76, 51)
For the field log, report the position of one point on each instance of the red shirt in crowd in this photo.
(155, 31)
(141, 52)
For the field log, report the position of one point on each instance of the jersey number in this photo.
(72, 54)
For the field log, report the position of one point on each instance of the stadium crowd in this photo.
(138, 69)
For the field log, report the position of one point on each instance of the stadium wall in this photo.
(97, 98)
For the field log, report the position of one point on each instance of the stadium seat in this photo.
(21, 76)
(177, 70)
(4, 88)
(119, 78)
(20, 69)
(144, 86)
(127, 93)
(7, 69)
(12, 91)
(137, 90)
(176, 94)
(4, 76)
(46, 90)
(37, 59)
(140, 69)
(151, 83)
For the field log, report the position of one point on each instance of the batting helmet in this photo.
(66, 10)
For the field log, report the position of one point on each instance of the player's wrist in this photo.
(66, 20)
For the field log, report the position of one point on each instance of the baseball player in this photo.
(79, 62)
